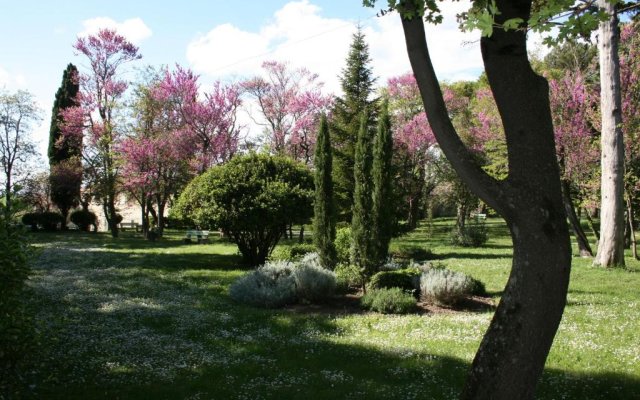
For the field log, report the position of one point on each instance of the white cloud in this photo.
(226, 48)
(134, 29)
(300, 35)
(11, 81)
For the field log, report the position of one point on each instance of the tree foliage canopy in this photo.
(251, 199)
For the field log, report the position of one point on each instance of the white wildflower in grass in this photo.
(121, 316)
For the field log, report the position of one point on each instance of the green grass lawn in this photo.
(126, 318)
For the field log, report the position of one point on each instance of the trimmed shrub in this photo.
(405, 279)
(389, 301)
(391, 265)
(445, 287)
(50, 220)
(313, 282)
(31, 219)
(292, 252)
(312, 258)
(84, 219)
(347, 276)
(412, 252)
(343, 245)
(251, 198)
(474, 234)
(272, 285)
(279, 283)
(478, 288)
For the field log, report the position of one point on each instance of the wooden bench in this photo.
(479, 216)
(129, 225)
(200, 236)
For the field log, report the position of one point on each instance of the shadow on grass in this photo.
(268, 354)
(168, 261)
(304, 365)
(475, 256)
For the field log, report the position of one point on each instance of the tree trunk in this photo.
(301, 235)
(7, 196)
(461, 217)
(611, 245)
(161, 206)
(512, 354)
(154, 214)
(144, 216)
(581, 238)
(592, 225)
(411, 217)
(110, 214)
(632, 232)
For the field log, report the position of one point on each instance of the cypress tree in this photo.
(324, 221)
(361, 223)
(64, 153)
(65, 98)
(357, 86)
(382, 186)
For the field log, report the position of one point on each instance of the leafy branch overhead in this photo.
(559, 20)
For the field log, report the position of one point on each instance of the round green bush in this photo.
(84, 219)
(31, 219)
(412, 252)
(474, 234)
(50, 220)
(405, 279)
(389, 301)
(250, 198)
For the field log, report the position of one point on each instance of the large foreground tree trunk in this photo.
(512, 354)
(611, 245)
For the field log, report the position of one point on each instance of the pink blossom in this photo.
(290, 102)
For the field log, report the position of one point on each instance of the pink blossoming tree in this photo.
(96, 118)
(577, 152)
(290, 102)
(208, 118)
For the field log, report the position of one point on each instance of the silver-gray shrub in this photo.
(446, 287)
(271, 285)
(313, 282)
(312, 258)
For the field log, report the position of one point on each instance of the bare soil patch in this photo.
(349, 304)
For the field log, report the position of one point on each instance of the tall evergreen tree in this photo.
(362, 221)
(383, 210)
(65, 152)
(324, 220)
(60, 150)
(357, 82)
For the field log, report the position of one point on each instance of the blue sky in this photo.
(225, 40)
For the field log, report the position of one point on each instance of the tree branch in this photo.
(481, 183)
